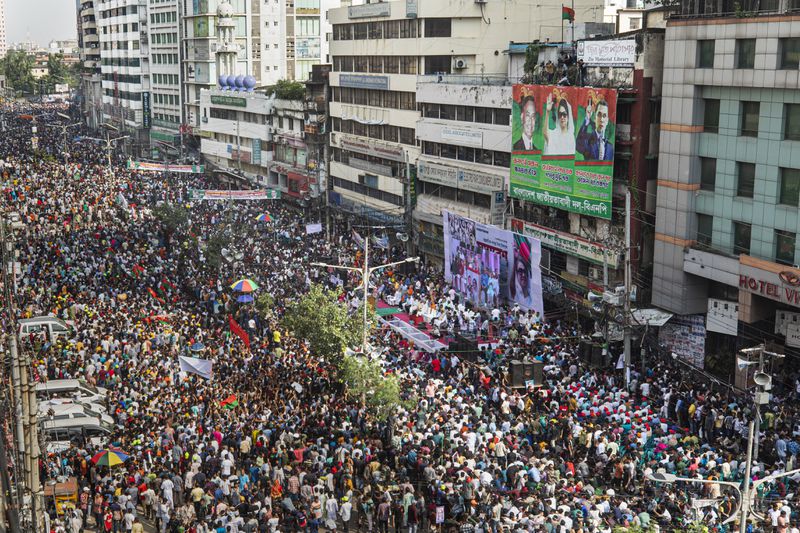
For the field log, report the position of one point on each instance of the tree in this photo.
(319, 318)
(288, 90)
(265, 303)
(365, 381)
(531, 59)
(172, 217)
(57, 72)
(18, 69)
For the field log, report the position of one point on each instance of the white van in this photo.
(48, 328)
(74, 410)
(76, 389)
(80, 430)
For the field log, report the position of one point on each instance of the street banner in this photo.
(209, 194)
(313, 228)
(165, 167)
(195, 365)
(563, 143)
(488, 265)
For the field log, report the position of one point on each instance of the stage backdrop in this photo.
(488, 265)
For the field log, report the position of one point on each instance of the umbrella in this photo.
(197, 347)
(244, 298)
(245, 285)
(110, 457)
(264, 217)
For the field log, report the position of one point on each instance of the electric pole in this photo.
(627, 310)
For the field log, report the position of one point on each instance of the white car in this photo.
(58, 408)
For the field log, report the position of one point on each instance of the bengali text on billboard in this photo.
(563, 142)
(487, 265)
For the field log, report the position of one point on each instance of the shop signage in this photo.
(364, 81)
(793, 335)
(233, 101)
(608, 53)
(381, 9)
(460, 177)
(463, 136)
(375, 168)
(368, 147)
(411, 9)
(146, 113)
(566, 243)
(780, 287)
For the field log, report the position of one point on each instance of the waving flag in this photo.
(237, 330)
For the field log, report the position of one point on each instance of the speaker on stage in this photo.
(521, 372)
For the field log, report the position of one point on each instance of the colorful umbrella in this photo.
(110, 457)
(245, 285)
(264, 217)
(244, 298)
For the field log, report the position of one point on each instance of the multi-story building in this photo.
(91, 92)
(3, 42)
(729, 175)
(165, 98)
(122, 26)
(377, 51)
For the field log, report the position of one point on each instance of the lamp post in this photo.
(108, 140)
(366, 272)
(64, 129)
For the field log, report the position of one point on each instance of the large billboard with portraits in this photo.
(489, 266)
(563, 143)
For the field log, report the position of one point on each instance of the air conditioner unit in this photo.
(595, 273)
(460, 63)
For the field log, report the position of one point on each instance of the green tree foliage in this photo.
(288, 90)
(531, 58)
(17, 66)
(364, 381)
(57, 72)
(265, 303)
(319, 318)
(171, 217)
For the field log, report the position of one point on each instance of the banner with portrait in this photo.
(563, 145)
(489, 266)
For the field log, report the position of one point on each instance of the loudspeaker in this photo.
(585, 351)
(466, 349)
(597, 355)
(523, 371)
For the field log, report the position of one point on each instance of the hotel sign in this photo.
(782, 287)
(566, 243)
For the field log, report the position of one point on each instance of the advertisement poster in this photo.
(685, 336)
(262, 194)
(563, 147)
(147, 166)
(488, 265)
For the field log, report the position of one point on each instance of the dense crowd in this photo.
(270, 443)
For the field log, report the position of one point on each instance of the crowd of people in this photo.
(271, 443)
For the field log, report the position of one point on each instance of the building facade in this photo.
(729, 175)
(165, 100)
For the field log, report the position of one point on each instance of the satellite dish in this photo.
(402, 237)
(762, 379)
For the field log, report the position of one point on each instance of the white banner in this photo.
(793, 335)
(607, 53)
(313, 228)
(194, 365)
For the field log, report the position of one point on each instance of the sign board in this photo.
(566, 243)
(146, 112)
(458, 177)
(462, 136)
(783, 319)
(411, 9)
(440, 514)
(307, 48)
(381, 9)
(608, 53)
(562, 152)
(233, 101)
(258, 194)
(793, 335)
(364, 81)
(497, 210)
(256, 151)
(145, 166)
(685, 336)
(722, 316)
(61, 87)
(373, 148)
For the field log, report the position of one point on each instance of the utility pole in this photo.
(746, 492)
(627, 311)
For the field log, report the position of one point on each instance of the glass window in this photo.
(745, 179)
(784, 247)
(741, 238)
(705, 53)
(438, 27)
(789, 192)
(447, 112)
(376, 30)
(465, 113)
(708, 173)
(710, 115)
(705, 229)
(749, 125)
(790, 53)
(745, 53)
(791, 122)
(391, 65)
(502, 117)
(483, 115)
(437, 65)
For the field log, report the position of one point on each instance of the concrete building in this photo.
(90, 93)
(729, 175)
(377, 51)
(122, 26)
(165, 98)
(3, 41)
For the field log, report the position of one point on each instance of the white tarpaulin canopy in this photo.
(650, 317)
(194, 365)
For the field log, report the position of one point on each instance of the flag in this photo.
(137, 271)
(743, 363)
(313, 228)
(567, 14)
(237, 330)
(382, 242)
(358, 238)
(195, 365)
(154, 295)
(230, 402)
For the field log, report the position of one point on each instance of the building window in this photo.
(710, 115)
(437, 64)
(745, 53)
(635, 23)
(790, 53)
(705, 53)
(789, 190)
(791, 122)
(438, 27)
(749, 124)
(705, 229)
(708, 173)
(741, 238)
(784, 247)
(745, 179)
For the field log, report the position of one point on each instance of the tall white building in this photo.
(163, 36)
(3, 42)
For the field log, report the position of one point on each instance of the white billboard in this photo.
(607, 53)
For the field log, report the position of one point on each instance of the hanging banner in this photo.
(685, 336)
(563, 147)
(259, 194)
(145, 166)
(488, 265)
(194, 365)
